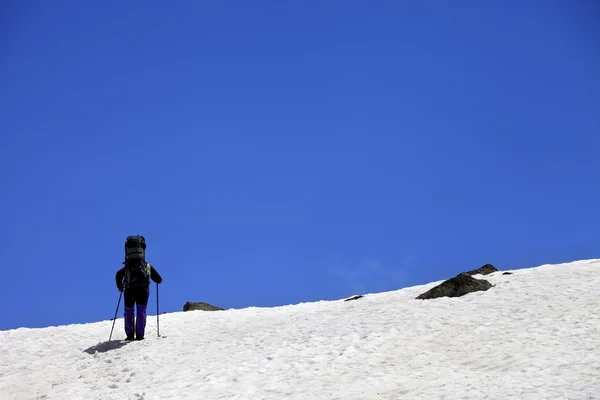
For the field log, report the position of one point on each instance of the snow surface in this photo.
(535, 335)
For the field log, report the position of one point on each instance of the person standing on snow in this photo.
(134, 280)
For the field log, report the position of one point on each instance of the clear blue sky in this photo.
(279, 152)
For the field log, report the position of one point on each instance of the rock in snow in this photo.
(456, 287)
(485, 270)
(461, 284)
(201, 306)
(358, 296)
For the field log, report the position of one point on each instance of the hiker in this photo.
(134, 279)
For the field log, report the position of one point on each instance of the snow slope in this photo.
(535, 335)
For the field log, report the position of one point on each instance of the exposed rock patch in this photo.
(201, 306)
(456, 287)
(485, 270)
(359, 296)
(507, 273)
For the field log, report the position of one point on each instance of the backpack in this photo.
(137, 270)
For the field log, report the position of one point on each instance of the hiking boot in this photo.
(129, 337)
(139, 337)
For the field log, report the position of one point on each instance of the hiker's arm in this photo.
(119, 279)
(155, 275)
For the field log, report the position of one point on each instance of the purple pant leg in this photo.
(129, 320)
(141, 319)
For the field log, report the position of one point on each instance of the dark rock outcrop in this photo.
(485, 270)
(191, 306)
(456, 287)
(507, 273)
(359, 296)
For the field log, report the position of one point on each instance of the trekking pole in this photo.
(115, 318)
(157, 314)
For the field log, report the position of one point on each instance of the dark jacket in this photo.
(154, 275)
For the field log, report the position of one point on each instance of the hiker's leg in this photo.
(128, 314)
(142, 295)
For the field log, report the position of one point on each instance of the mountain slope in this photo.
(535, 335)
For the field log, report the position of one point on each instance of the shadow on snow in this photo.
(103, 347)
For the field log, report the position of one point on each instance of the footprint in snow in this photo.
(130, 376)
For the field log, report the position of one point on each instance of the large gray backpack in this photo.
(137, 270)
